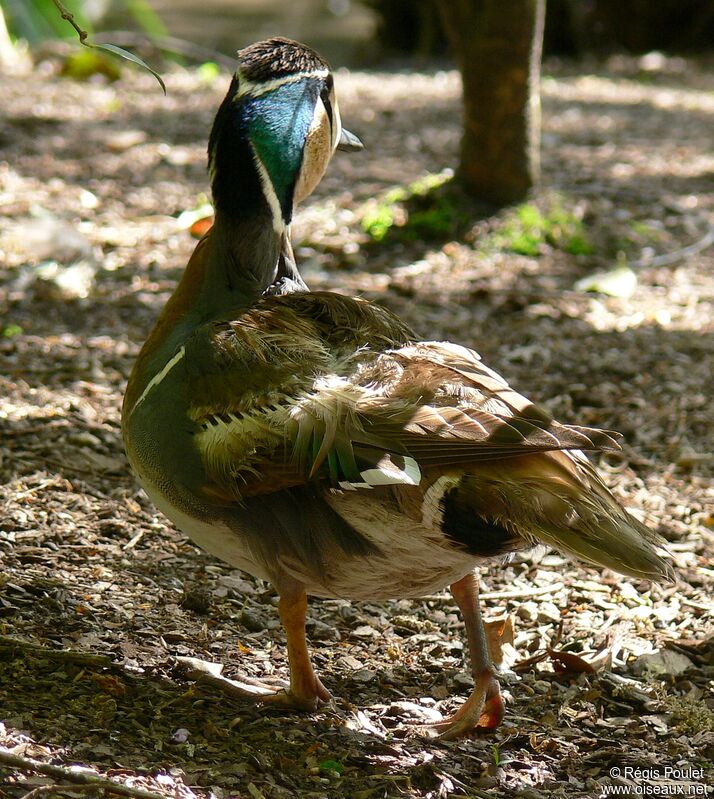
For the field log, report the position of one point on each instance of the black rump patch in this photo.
(463, 524)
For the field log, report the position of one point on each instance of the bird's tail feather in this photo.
(557, 498)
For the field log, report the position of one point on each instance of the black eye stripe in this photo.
(325, 97)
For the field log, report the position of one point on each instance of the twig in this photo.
(70, 18)
(671, 258)
(692, 604)
(68, 774)
(516, 593)
(134, 541)
(111, 48)
(209, 674)
(80, 658)
(52, 790)
(106, 474)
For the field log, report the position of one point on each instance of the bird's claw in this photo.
(482, 712)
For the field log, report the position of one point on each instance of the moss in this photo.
(434, 208)
(428, 209)
(10, 331)
(529, 230)
(691, 715)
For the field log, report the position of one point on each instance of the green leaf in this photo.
(209, 71)
(84, 62)
(122, 53)
(331, 765)
(12, 330)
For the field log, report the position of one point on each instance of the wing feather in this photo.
(301, 388)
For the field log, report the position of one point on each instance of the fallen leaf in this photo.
(619, 282)
(568, 663)
(498, 634)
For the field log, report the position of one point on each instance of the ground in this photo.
(99, 595)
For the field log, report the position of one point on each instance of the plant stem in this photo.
(66, 15)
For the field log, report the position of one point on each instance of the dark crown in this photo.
(276, 58)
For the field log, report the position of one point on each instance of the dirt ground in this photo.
(99, 595)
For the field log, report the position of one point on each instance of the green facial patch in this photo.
(277, 123)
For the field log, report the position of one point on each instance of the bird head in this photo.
(275, 131)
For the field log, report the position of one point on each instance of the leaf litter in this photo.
(102, 603)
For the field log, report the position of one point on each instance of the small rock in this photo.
(47, 238)
(364, 631)
(319, 631)
(487, 781)
(347, 612)
(350, 663)
(234, 585)
(56, 282)
(363, 675)
(411, 710)
(252, 621)
(548, 612)
(197, 599)
(664, 661)
(528, 611)
(180, 736)
(526, 792)
(84, 438)
(124, 140)
(462, 680)
(410, 624)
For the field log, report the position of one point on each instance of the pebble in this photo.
(363, 675)
(252, 621)
(463, 680)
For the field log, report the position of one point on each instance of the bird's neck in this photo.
(244, 259)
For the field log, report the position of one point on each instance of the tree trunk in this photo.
(498, 46)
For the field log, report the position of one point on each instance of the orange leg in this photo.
(484, 708)
(306, 691)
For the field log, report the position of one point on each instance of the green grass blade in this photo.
(122, 53)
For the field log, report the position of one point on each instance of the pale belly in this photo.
(417, 559)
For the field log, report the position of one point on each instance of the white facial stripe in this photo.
(157, 378)
(318, 115)
(270, 195)
(256, 89)
(336, 124)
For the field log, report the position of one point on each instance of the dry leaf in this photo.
(568, 663)
(499, 633)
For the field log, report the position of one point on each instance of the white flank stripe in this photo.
(256, 89)
(157, 378)
(431, 512)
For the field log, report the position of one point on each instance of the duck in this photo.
(313, 440)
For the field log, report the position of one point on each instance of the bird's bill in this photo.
(349, 143)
